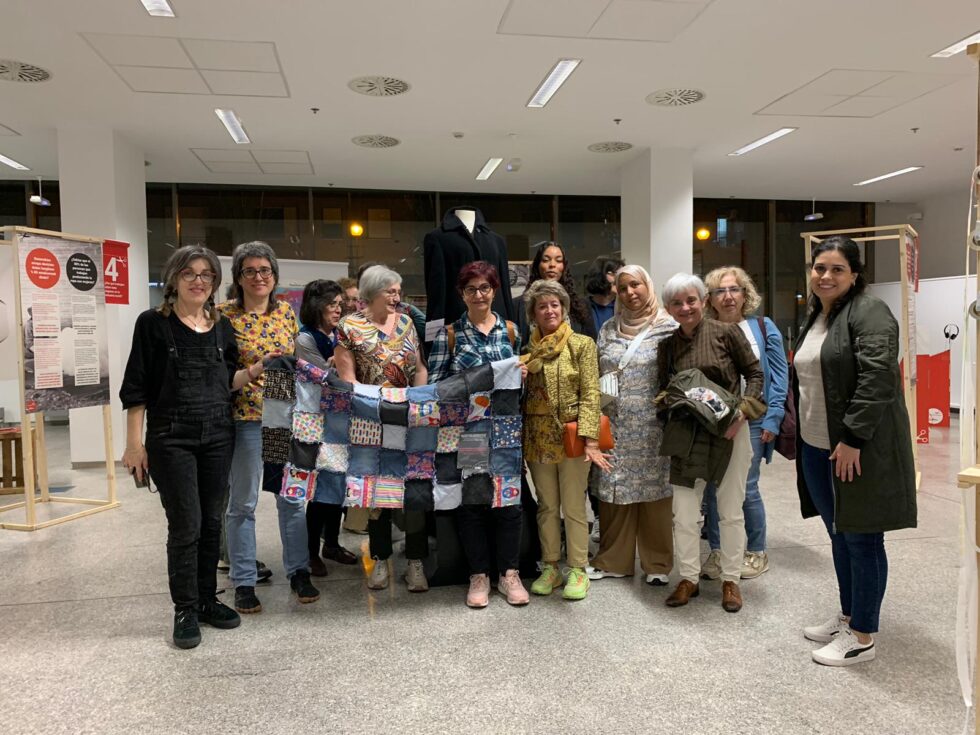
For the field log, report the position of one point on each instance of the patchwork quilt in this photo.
(433, 447)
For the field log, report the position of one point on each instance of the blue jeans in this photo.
(244, 482)
(752, 508)
(859, 558)
(292, 531)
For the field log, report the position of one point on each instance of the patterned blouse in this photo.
(472, 347)
(257, 336)
(380, 359)
(543, 438)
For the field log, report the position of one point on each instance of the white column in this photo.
(657, 200)
(102, 187)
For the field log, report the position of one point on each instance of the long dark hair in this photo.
(578, 309)
(852, 254)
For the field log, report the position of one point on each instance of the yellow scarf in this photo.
(546, 348)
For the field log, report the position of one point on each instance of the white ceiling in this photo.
(854, 77)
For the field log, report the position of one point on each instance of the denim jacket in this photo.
(775, 377)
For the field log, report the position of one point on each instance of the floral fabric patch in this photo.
(308, 427)
(448, 439)
(421, 465)
(334, 401)
(453, 414)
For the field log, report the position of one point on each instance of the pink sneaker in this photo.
(479, 593)
(511, 587)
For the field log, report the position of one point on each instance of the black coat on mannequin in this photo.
(447, 249)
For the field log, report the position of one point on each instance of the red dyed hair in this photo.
(477, 269)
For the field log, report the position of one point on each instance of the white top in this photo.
(744, 324)
(813, 406)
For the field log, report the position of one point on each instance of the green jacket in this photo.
(865, 410)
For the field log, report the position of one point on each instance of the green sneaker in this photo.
(550, 579)
(577, 586)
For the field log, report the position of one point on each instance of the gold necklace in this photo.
(197, 326)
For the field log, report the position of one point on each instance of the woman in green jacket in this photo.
(854, 447)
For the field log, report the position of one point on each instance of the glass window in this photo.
(588, 227)
(161, 227)
(13, 204)
(731, 232)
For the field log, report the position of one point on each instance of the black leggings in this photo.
(323, 518)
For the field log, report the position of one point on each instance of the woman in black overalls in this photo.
(181, 374)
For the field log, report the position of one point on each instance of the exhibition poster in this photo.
(66, 362)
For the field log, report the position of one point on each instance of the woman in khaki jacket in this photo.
(562, 386)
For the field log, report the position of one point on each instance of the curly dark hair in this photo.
(578, 309)
(596, 283)
(317, 295)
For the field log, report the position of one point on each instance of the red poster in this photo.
(115, 267)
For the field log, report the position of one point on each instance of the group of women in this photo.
(693, 393)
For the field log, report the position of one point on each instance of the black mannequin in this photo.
(462, 238)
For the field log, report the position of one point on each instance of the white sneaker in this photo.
(595, 530)
(594, 573)
(657, 580)
(826, 632)
(415, 576)
(379, 575)
(844, 650)
(754, 563)
(711, 568)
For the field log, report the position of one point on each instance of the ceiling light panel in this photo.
(488, 168)
(551, 84)
(763, 141)
(958, 47)
(158, 8)
(233, 125)
(13, 164)
(900, 172)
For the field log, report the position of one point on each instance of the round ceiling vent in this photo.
(379, 86)
(18, 71)
(675, 97)
(375, 141)
(612, 146)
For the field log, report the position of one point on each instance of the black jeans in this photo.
(189, 462)
(477, 523)
(323, 518)
(416, 536)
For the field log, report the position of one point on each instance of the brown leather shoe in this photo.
(731, 597)
(317, 567)
(682, 593)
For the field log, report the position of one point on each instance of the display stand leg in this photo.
(110, 462)
(41, 457)
(29, 464)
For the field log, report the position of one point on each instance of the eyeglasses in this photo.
(485, 290)
(394, 293)
(733, 290)
(189, 276)
(263, 272)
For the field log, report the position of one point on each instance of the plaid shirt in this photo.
(472, 348)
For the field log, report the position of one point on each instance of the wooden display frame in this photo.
(886, 233)
(38, 461)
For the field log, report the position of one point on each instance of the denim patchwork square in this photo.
(479, 406)
(423, 414)
(447, 497)
(422, 439)
(298, 483)
(275, 445)
(480, 427)
(365, 432)
(272, 476)
(331, 488)
(336, 428)
(477, 490)
(307, 372)
(393, 464)
(333, 380)
(506, 491)
(332, 457)
(365, 408)
(453, 389)
(279, 385)
(448, 438)
(302, 454)
(447, 473)
(394, 395)
(334, 401)
(277, 414)
(453, 414)
(506, 402)
(389, 492)
(393, 413)
(418, 496)
(421, 393)
(393, 437)
(506, 461)
(360, 491)
(308, 397)
(368, 391)
(506, 432)
(479, 379)
(421, 465)
(363, 461)
(506, 374)
(308, 426)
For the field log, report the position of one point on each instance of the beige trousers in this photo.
(626, 528)
(561, 489)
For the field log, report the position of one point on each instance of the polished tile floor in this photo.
(85, 621)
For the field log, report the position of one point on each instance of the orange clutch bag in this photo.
(575, 445)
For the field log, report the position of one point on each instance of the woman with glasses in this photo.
(379, 346)
(263, 325)
(182, 370)
(320, 314)
(732, 297)
(480, 336)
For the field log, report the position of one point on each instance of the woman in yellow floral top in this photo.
(263, 326)
(562, 386)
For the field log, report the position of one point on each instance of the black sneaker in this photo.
(245, 600)
(304, 589)
(218, 615)
(262, 572)
(187, 633)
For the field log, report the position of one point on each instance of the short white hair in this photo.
(376, 279)
(681, 283)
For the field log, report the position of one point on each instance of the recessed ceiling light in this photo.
(233, 125)
(957, 47)
(158, 8)
(13, 164)
(556, 77)
(901, 171)
(762, 141)
(488, 168)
